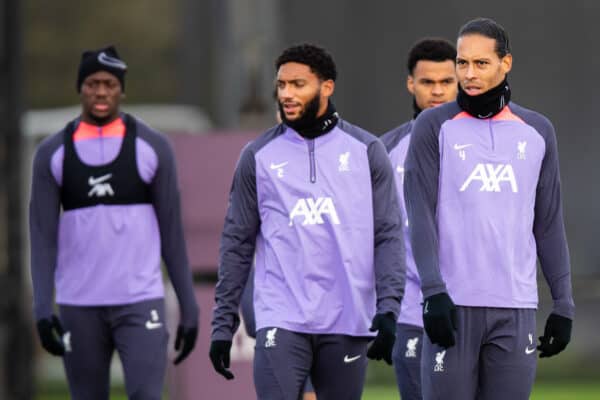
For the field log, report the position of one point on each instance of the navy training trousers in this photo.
(494, 357)
(137, 331)
(283, 360)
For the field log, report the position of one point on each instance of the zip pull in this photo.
(311, 156)
(491, 129)
(101, 142)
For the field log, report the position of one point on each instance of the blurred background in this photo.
(202, 71)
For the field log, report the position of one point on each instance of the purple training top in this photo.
(107, 254)
(483, 198)
(322, 215)
(396, 142)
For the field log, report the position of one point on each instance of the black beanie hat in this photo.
(106, 59)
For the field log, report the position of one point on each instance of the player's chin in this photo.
(102, 114)
(293, 117)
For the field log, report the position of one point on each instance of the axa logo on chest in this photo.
(491, 177)
(313, 210)
(100, 186)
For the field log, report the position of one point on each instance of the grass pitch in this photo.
(541, 391)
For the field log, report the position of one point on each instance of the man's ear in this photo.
(410, 84)
(327, 88)
(506, 63)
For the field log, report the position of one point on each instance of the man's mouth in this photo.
(101, 107)
(290, 107)
(472, 90)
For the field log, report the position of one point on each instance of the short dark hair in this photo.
(489, 28)
(318, 59)
(430, 49)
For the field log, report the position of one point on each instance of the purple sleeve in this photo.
(421, 175)
(44, 214)
(549, 229)
(165, 199)
(390, 266)
(238, 242)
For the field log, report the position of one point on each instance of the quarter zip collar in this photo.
(319, 126)
(89, 131)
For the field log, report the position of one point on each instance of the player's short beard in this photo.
(308, 117)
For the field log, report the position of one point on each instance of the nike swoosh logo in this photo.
(462, 146)
(350, 359)
(109, 61)
(529, 351)
(153, 325)
(94, 181)
(277, 166)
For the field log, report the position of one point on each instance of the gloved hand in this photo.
(219, 356)
(385, 325)
(439, 319)
(184, 341)
(557, 334)
(51, 333)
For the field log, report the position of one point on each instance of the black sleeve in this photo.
(390, 265)
(165, 198)
(238, 242)
(549, 230)
(421, 177)
(44, 214)
(247, 306)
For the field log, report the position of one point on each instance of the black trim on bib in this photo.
(117, 182)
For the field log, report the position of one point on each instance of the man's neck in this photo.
(89, 119)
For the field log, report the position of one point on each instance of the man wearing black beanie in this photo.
(106, 59)
(101, 84)
(104, 211)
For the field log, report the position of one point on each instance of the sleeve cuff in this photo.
(389, 305)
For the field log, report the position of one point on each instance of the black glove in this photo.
(557, 334)
(184, 341)
(385, 325)
(219, 355)
(439, 319)
(51, 333)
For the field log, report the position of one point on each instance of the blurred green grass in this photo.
(58, 390)
(542, 391)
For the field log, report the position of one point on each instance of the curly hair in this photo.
(430, 49)
(318, 59)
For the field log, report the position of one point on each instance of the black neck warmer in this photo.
(416, 109)
(487, 104)
(310, 126)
